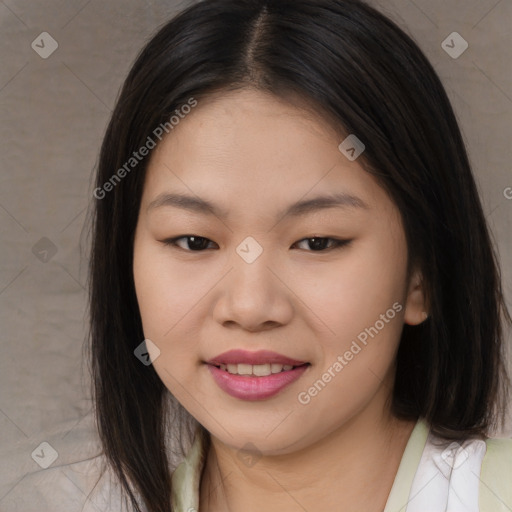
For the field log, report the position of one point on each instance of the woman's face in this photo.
(253, 280)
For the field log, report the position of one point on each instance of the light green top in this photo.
(495, 494)
(496, 477)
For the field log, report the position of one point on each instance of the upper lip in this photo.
(260, 357)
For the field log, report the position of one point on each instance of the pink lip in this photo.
(259, 357)
(248, 387)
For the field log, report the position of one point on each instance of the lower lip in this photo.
(248, 387)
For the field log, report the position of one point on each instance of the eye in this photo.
(318, 244)
(194, 243)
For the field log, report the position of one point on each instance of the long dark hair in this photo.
(367, 77)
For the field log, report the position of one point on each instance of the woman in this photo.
(290, 255)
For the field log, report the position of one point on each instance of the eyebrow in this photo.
(300, 208)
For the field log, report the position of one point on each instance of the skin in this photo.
(254, 154)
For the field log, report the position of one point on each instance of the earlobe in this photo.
(415, 305)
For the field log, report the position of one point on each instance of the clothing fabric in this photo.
(434, 475)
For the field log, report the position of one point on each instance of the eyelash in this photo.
(338, 244)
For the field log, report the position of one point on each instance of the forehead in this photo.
(256, 150)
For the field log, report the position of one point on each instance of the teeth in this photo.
(232, 368)
(276, 368)
(244, 369)
(259, 370)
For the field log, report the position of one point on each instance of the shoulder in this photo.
(496, 476)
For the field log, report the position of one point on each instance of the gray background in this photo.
(53, 115)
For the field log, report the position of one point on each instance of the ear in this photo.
(415, 304)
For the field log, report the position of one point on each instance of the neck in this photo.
(336, 470)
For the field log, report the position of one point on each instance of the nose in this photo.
(254, 296)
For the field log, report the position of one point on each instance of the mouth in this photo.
(254, 375)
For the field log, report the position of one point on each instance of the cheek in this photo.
(169, 299)
(166, 291)
(363, 309)
(353, 292)
(150, 290)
